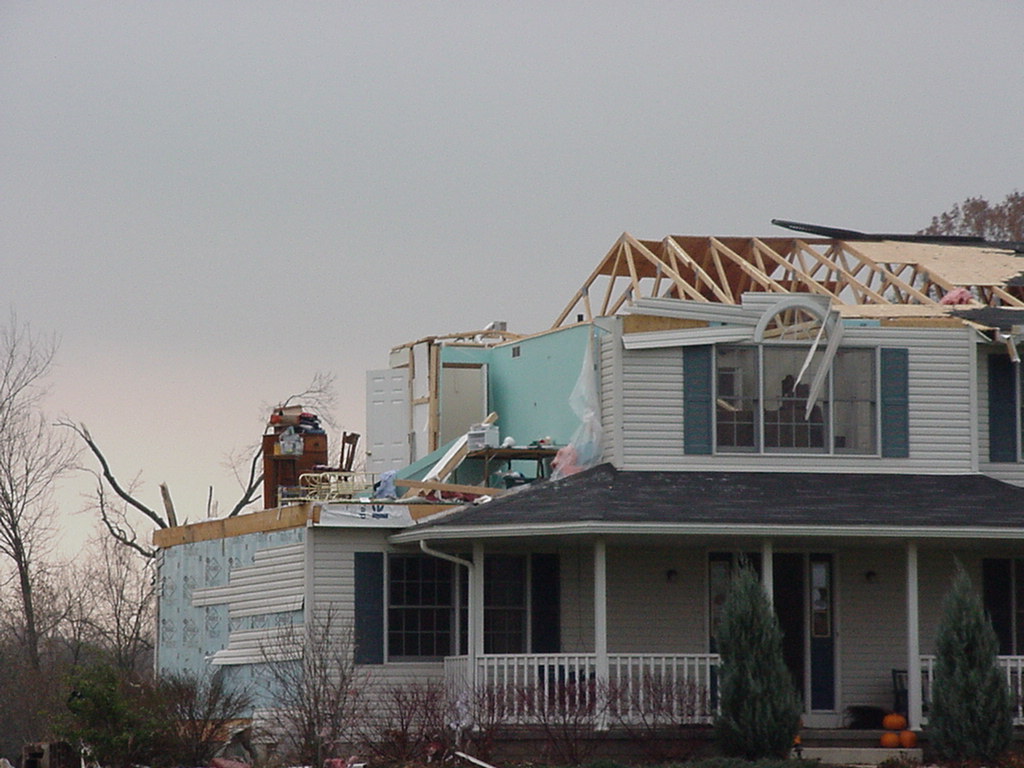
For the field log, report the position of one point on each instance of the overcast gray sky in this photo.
(208, 202)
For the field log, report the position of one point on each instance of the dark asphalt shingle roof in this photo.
(604, 494)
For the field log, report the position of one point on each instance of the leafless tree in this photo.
(123, 595)
(115, 503)
(33, 456)
(200, 709)
(977, 217)
(318, 695)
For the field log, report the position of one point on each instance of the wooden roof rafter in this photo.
(752, 273)
(888, 278)
(909, 278)
(677, 252)
(794, 267)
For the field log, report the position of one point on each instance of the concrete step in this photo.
(858, 755)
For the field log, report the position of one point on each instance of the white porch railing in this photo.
(1013, 668)
(641, 688)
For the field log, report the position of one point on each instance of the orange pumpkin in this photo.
(894, 721)
(890, 739)
(908, 739)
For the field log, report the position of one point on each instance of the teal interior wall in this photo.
(530, 389)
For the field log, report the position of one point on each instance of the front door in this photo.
(788, 597)
(803, 601)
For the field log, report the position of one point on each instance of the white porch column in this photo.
(767, 569)
(601, 619)
(913, 641)
(475, 629)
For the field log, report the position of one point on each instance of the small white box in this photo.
(482, 436)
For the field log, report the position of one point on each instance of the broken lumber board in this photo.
(429, 485)
(278, 519)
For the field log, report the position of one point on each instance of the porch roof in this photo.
(604, 500)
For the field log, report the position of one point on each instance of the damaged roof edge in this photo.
(278, 519)
(836, 233)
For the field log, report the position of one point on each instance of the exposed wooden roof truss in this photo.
(850, 273)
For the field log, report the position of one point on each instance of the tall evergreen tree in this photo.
(971, 716)
(759, 709)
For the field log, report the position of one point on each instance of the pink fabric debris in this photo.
(957, 296)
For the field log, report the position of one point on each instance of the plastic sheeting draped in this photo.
(584, 449)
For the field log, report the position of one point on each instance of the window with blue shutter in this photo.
(1002, 409)
(895, 386)
(697, 414)
(369, 608)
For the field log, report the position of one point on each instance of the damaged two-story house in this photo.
(843, 412)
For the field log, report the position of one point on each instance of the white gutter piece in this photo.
(444, 555)
(810, 355)
(689, 309)
(685, 337)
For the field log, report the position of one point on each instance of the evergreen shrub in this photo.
(759, 711)
(971, 716)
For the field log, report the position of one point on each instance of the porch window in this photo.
(505, 604)
(420, 606)
(428, 606)
(761, 397)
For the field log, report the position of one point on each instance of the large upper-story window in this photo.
(752, 398)
(762, 398)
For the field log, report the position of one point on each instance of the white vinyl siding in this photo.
(652, 409)
(941, 399)
(650, 613)
(274, 583)
(610, 369)
(333, 567)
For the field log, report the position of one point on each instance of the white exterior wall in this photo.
(648, 613)
(576, 571)
(942, 431)
(332, 567)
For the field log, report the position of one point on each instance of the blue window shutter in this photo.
(895, 403)
(697, 413)
(369, 608)
(1002, 404)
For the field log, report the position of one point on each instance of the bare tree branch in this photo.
(116, 525)
(321, 396)
(251, 487)
(83, 433)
